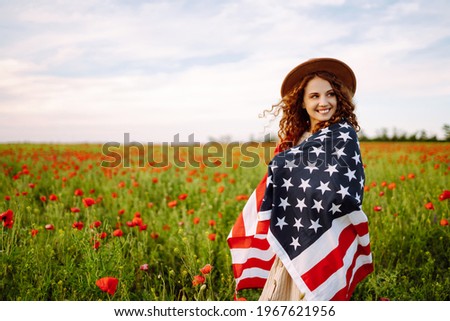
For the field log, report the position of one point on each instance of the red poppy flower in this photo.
(34, 232)
(7, 218)
(196, 220)
(43, 198)
(78, 225)
(49, 227)
(242, 197)
(212, 236)
(102, 235)
(121, 184)
(118, 233)
(443, 222)
(377, 208)
(144, 267)
(182, 196)
(74, 209)
(172, 204)
(198, 280)
(53, 197)
(96, 245)
(88, 201)
(78, 192)
(154, 235)
(31, 185)
(444, 195)
(166, 227)
(212, 223)
(137, 221)
(108, 284)
(7, 198)
(206, 269)
(429, 206)
(95, 224)
(121, 212)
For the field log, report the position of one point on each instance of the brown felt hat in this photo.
(341, 70)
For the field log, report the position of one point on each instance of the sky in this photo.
(91, 71)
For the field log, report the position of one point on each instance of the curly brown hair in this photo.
(295, 120)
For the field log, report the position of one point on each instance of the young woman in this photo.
(311, 209)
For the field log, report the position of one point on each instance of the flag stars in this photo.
(345, 136)
(350, 174)
(295, 150)
(290, 165)
(298, 224)
(335, 208)
(317, 205)
(281, 222)
(287, 183)
(331, 169)
(295, 243)
(339, 152)
(357, 158)
(315, 225)
(269, 180)
(301, 204)
(317, 150)
(305, 184)
(361, 182)
(325, 131)
(343, 191)
(311, 167)
(323, 187)
(284, 203)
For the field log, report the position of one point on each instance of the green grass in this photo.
(410, 246)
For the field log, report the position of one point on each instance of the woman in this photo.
(313, 193)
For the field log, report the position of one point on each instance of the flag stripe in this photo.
(322, 270)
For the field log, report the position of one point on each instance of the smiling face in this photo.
(319, 100)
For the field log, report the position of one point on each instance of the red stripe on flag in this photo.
(238, 269)
(333, 261)
(248, 242)
(251, 283)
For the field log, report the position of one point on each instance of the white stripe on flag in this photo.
(240, 256)
(249, 215)
(252, 273)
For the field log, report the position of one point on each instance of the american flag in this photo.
(307, 211)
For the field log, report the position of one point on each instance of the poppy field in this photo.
(78, 226)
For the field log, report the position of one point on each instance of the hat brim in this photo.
(341, 70)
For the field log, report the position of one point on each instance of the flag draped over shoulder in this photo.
(307, 211)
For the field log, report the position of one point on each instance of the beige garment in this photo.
(279, 285)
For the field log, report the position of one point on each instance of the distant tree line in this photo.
(400, 136)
